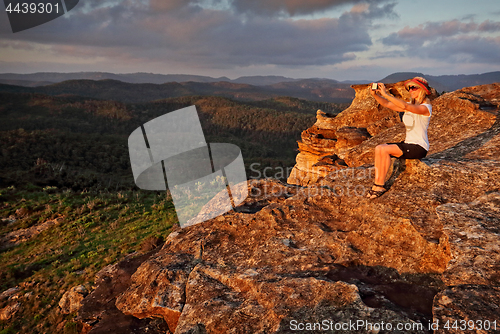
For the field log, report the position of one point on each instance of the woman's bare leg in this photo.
(383, 155)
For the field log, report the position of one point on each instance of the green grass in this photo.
(95, 229)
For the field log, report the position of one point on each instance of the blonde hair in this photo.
(422, 96)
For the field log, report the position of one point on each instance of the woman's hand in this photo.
(382, 89)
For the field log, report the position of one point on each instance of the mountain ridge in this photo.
(112, 89)
(443, 82)
(139, 77)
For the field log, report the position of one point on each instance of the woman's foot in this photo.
(376, 191)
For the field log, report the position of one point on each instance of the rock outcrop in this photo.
(71, 300)
(324, 257)
(14, 238)
(13, 298)
(98, 312)
(462, 123)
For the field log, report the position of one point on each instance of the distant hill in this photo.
(25, 83)
(454, 82)
(441, 82)
(54, 77)
(448, 82)
(37, 79)
(308, 89)
(261, 80)
(144, 87)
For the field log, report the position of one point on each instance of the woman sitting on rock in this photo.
(416, 118)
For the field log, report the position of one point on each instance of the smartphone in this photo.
(374, 86)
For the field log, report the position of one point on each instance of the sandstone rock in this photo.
(319, 250)
(324, 121)
(462, 170)
(9, 311)
(306, 234)
(261, 299)
(71, 301)
(467, 309)
(349, 137)
(461, 123)
(164, 295)
(473, 230)
(383, 124)
(98, 312)
(13, 305)
(9, 293)
(309, 169)
(254, 301)
(13, 238)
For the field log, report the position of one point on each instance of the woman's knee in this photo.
(381, 149)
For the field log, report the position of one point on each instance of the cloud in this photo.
(466, 49)
(452, 41)
(175, 31)
(290, 7)
(168, 5)
(435, 30)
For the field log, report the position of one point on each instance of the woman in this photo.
(416, 118)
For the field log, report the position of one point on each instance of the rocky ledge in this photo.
(315, 254)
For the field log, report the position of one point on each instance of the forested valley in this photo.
(68, 202)
(80, 143)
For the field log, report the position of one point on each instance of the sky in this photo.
(335, 39)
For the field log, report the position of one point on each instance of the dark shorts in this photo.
(411, 151)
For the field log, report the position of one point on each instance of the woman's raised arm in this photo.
(391, 102)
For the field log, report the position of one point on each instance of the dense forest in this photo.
(80, 143)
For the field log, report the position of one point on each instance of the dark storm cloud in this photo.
(453, 41)
(190, 32)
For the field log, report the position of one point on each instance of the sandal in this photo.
(376, 193)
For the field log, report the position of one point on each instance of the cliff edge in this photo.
(316, 254)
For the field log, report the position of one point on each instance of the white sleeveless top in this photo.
(416, 128)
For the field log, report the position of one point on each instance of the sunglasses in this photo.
(412, 88)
